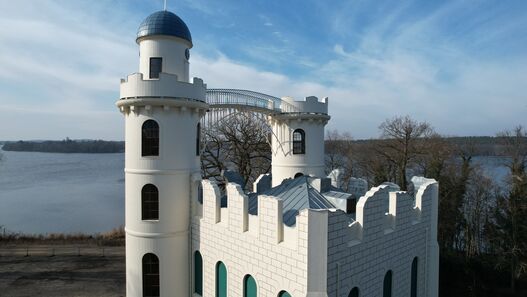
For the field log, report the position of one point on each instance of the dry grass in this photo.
(115, 237)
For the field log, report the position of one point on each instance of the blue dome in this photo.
(164, 23)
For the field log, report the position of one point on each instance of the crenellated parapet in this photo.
(167, 87)
(383, 210)
(310, 104)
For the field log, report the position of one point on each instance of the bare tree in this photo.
(338, 153)
(509, 228)
(239, 142)
(404, 140)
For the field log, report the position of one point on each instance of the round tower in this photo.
(298, 142)
(162, 112)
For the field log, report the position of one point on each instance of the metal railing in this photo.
(218, 98)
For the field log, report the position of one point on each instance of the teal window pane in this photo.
(198, 273)
(249, 287)
(221, 280)
(387, 288)
(354, 292)
(284, 294)
(414, 278)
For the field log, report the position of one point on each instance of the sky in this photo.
(459, 65)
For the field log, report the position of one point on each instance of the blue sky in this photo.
(460, 65)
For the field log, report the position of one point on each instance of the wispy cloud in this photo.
(461, 66)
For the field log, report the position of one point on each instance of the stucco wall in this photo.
(383, 238)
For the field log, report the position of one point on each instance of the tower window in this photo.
(413, 286)
(198, 273)
(284, 294)
(299, 142)
(387, 286)
(156, 66)
(149, 202)
(249, 286)
(354, 292)
(198, 138)
(150, 138)
(150, 275)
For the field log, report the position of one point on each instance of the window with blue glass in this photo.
(156, 66)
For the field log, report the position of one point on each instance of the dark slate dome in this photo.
(164, 23)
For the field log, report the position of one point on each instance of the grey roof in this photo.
(296, 194)
(164, 23)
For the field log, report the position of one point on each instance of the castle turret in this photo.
(162, 112)
(298, 142)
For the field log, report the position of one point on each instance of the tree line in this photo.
(66, 146)
(482, 229)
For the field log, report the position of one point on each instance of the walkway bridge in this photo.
(247, 101)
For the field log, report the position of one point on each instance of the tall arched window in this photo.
(150, 138)
(198, 273)
(284, 294)
(150, 275)
(149, 202)
(387, 287)
(299, 142)
(354, 292)
(249, 286)
(413, 287)
(198, 139)
(221, 280)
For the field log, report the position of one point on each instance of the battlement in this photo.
(381, 211)
(167, 86)
(309, 104)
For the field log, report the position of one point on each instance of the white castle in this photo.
(297, 234)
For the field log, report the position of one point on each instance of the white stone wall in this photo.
(382, 239)
(256, 245)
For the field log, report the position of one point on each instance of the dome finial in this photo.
(165, 6)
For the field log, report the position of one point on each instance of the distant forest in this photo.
(478, 145)
(481, 145)
(66, 146)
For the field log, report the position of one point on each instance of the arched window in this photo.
(198, 273)
(150, 275)
(299, 142)
(249, 286)
(149, 202)
(414, 278)
(387, 287)
(198, 139)
(150, 138)
(299, 174)
(354, 292)
(221, 280)
(284, 294)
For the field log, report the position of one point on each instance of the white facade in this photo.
(310, 118)
(326, 252)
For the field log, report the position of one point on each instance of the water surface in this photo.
(48, 192)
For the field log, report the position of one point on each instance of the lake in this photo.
(47, 192)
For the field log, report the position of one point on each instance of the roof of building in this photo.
(296, 194)
(164, 23)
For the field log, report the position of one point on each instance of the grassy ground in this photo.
(65, 274)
